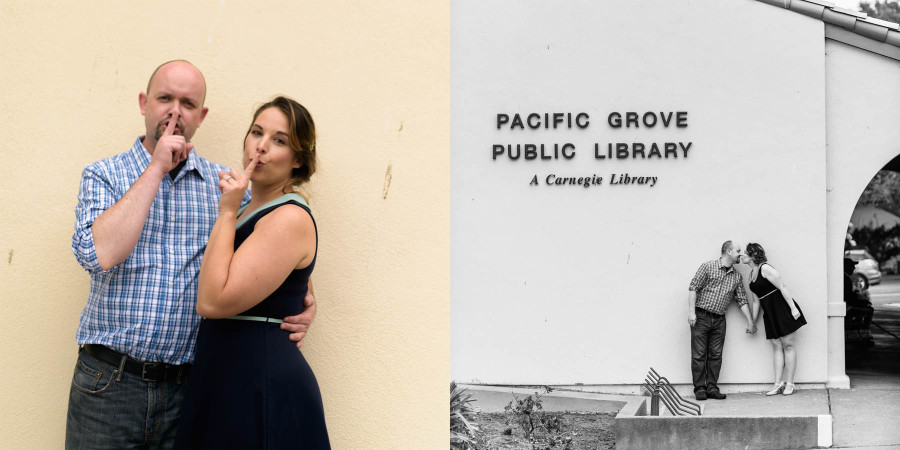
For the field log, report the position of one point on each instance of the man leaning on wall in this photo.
(712, 289)
(141, 226)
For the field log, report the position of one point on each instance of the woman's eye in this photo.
(279, 141)
(255, 132)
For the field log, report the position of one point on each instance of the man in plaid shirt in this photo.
(141, 226)
(714, 286)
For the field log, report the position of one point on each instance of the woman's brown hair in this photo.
(756, 253)
(302, 135)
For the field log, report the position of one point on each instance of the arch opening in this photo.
(872, 282)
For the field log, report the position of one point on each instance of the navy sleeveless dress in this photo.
(250, 386)
(777, 317)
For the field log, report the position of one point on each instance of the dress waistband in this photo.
(256, 319)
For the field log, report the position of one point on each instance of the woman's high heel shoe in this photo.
(779, 388)
(788, 389)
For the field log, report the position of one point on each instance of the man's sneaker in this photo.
(716, 395)
(700, 395)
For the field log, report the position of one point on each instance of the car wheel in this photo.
(860, 282)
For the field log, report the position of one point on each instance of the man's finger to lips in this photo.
(170, 129)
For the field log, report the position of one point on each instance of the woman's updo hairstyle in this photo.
(302, 134)
(756, 253)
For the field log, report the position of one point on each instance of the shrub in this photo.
(463, 425)
(543, 429)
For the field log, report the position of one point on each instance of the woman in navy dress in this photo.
(250, 386)
(781, 316)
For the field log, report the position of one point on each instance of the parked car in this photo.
(867, 271)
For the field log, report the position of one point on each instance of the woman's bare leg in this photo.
(790, 357)
(778, 359)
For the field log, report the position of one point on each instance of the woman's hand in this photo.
(233, 185)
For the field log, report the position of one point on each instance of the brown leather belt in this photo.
(147, 371)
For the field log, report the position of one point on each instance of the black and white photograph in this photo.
(673, 224)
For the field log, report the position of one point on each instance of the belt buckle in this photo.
(144, 372)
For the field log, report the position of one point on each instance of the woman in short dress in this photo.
(250, 387)
(781, 316)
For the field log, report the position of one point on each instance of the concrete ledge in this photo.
(635, 430)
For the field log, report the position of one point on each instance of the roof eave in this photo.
(855, 22)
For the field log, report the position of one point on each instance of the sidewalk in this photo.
(868, 414)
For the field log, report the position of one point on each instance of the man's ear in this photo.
(142, 102)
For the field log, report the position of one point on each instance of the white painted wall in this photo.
(562, 285)
(863, 135)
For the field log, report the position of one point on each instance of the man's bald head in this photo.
(178, 62)
(176, 89)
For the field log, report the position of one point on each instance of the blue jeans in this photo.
(109, 410)
(707, 342)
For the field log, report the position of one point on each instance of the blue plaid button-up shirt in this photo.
(146, 305)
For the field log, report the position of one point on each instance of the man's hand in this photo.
(692, 318)
(298, 325)
(171, 149)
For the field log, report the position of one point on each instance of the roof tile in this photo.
(893, 38)
(807, 9)
(838, 18)
(871, 30)
(884, 23)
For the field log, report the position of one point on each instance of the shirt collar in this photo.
(723, 266)
(143, 156)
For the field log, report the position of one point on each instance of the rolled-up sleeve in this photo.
(95, 195)
(700, 279)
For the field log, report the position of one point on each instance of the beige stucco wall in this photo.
(375, 76)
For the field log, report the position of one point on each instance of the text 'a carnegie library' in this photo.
(616, 179)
